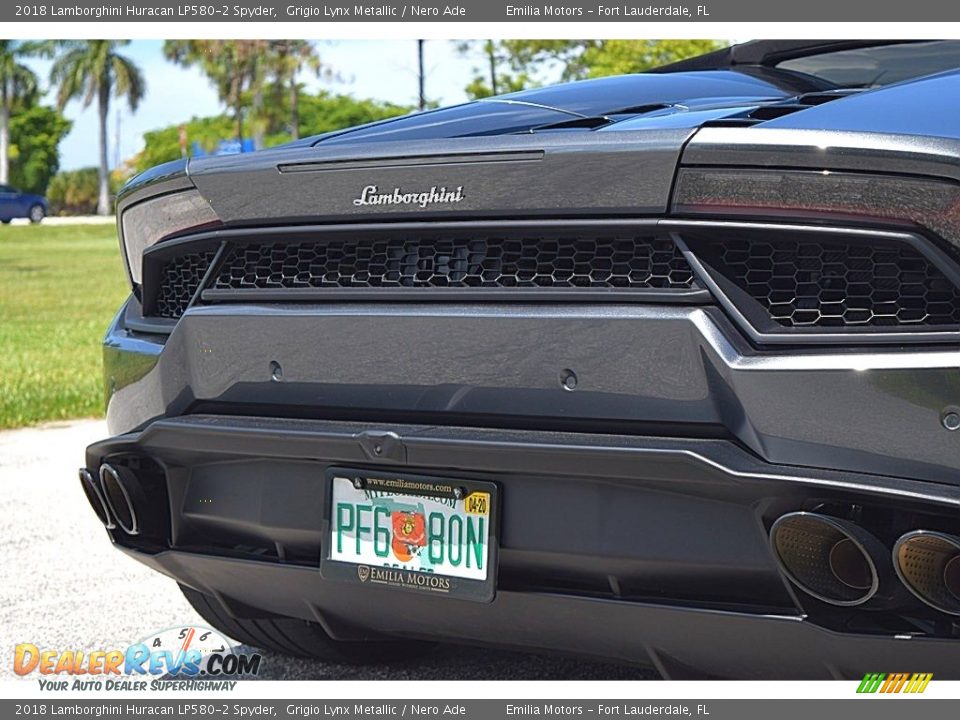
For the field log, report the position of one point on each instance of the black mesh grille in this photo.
(179, 280)
(574, 262)
(837, 282)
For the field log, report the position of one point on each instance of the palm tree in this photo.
(287, 59)
(93, 69)
(240, 71)
(18, 86)
(231, 65)
(421, 77)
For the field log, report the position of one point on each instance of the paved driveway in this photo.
(64, 587)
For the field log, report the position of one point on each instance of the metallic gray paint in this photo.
(622, 173)
(159, 180)
(867, 410)
(871, 411)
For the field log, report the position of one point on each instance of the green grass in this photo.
(59, 288)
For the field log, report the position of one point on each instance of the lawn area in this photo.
(59, 288)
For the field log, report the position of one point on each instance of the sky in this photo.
(380, 69)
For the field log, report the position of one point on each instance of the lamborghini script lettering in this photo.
(371, 195)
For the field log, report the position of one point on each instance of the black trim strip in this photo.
(414, 161)
(696, 296)
(254, 234)
(211, 269)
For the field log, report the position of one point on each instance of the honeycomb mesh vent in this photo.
(179, 280)
(628, 262)
(837, 283)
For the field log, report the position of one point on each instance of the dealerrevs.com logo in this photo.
(371, 195)
(182, 658)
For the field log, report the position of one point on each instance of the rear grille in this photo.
(180, 279)
(781, 283)
(626, 262)
(838, 283)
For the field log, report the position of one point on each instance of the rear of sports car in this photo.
(676, 383)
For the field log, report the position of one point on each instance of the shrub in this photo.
(35, 135)
(319, 113)
(75, 192)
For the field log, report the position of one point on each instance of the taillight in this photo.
(806, 194)
(146, 223)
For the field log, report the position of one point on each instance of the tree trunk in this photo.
(235, 101)
(258, 132)
(421, 76)
(492, 57)
(294, 108)
(103, 202)
(4, 133)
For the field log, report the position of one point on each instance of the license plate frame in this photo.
(413, 488)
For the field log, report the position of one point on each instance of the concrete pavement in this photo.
(64, 587)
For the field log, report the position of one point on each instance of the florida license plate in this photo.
(423, 534)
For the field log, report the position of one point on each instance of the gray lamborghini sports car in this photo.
(661, 368)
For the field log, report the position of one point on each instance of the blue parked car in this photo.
(16, 204)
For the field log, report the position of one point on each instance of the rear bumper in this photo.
(641, 369)
(680, 642)
(638, 549)
(635, 509)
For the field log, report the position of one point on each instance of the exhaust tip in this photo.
(95, 497)
(928, 563)
(828, 558)
(115, 482)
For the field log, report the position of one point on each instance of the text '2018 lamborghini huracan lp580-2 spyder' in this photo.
(661, 368)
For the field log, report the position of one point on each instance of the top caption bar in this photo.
(483, 11)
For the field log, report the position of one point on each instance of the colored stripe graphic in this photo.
(923, 679)
(871, 682)
(913, 683)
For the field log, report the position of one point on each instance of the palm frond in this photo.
(130, 82)
(68, 74)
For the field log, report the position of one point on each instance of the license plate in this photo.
(423, 534)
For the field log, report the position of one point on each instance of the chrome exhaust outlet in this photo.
(830, 559)
(928, 563)
(120, 489)
(91, 489)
